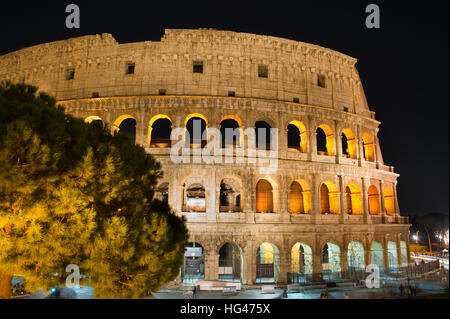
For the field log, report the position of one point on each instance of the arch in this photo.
(299, 197)
(368, 147)
(155, 133)
(267, 263)
(263, 135)
(264, 196)
(388, 201)
(300, 141)
(403, 254)
(392, 256)
(235, 124)
(92, 118)
(329, 198)
(301, 262)
(374, 206)
(230, 197)
(230, 262)
(194, 198)
(118, 122)
(353, 199)
(325, 140)
(193, 133)
(331, 261)
(193, 268)
(348, 143)
(377, 254)
(355, 255)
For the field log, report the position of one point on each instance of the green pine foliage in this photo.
(71, 193)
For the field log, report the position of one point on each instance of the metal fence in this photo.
(360, 274)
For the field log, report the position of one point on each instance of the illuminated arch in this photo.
(388, 201)
(195, 115)
(152, 121)
(240, 125)
(350, 140)
(231, 195)
(91, 119)
(355, 255)
(204, 138)
(329, 136)
(331, 261)
(230, 262)
(377, 254)
(301, 259)
(374, 206)
(264, 196)
(119, 120)
(329, 199)
(303, 134)
(368, 147)
(267, 262)
(353, 199)
(299, 197)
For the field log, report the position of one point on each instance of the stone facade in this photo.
(302, 84)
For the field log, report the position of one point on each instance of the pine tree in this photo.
(71, 193)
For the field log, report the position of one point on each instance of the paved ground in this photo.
(429, 285)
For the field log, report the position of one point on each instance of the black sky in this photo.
(403, 66)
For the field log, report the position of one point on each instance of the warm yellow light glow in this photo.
(329, 199)
(91, 119)
(119, 120)
(354, 199)
(264, 196)
(374, 206)
(368, 147)
(268, 253)
(351, 142)
(330, 138)
(389, 201)
(299, 197)
(303, 135)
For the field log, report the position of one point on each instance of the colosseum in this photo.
(324, 207)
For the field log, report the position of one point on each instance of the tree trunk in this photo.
(5, 285)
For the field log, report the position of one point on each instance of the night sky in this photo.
(403, 66)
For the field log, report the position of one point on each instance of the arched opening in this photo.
(230, 132)
(162, 192)
(230, 262)
(159, 130)
(196, 130)
(94, 121)
(388, 201)
(297, 136)
(193, 268)
(264, 197)
(263, 135)
(126, 125)
(194, 199)
(325, 140)
(377, 254)
(374, 206)
(368, 147)
(230, 196)
(404, 253)
(355, 255)
(348, 143)
(299, 198)
(329, 199)
(392, 256)
(331, 261)
(353, 199)
(267, 263)
(301, 263)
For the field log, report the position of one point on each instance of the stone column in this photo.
(359, 145)
(210, 198)
(385, 254)
(315, 199)
(394, 193)
(337, 143)
(342, 203)
(317, 263)
(365, 200)
(284, 266)
(381, 199)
